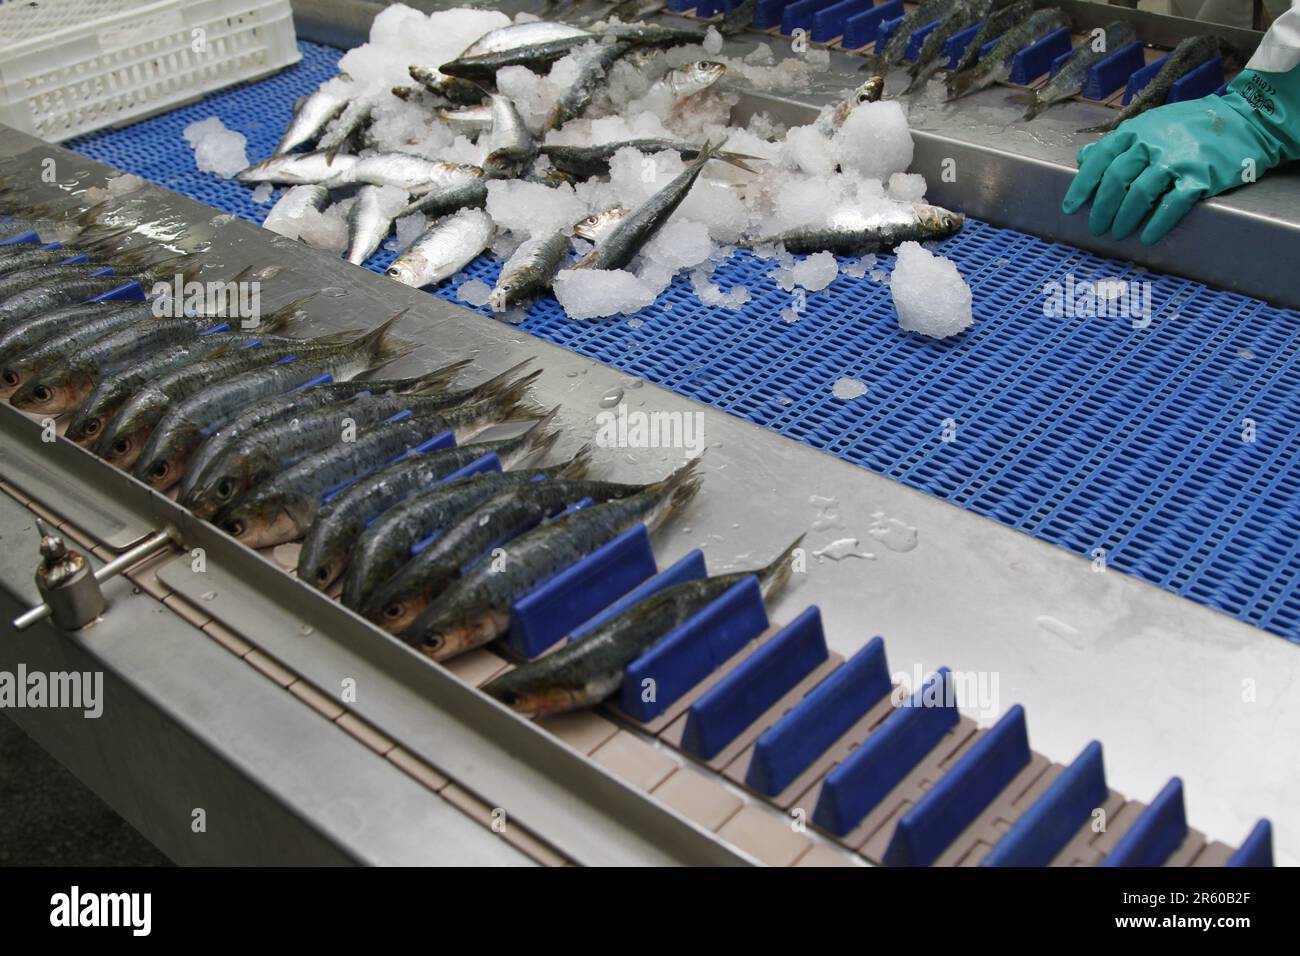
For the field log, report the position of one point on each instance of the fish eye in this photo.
(704, 65)
(235, 526)
(122, 446)
(159, 470)
(12, 379)
(225, 488)
(393, 612)
(42, 393)
(433, 643)
(91, 427)
(323, 574)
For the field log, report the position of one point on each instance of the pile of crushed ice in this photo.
(806, 175)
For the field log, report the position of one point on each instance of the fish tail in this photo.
(505, 380)
(434, 381)
(959, 84)
(674, 492)
(1105, 127)
(537, 441)
(776, 575)
(740, 160)
(509, 399)
(710, 150)
(286, 315)
(381, 348)
(577, 466)
(1032, 102)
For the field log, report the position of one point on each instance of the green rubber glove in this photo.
(1169, 158)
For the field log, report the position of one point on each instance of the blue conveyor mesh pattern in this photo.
(1088, 433)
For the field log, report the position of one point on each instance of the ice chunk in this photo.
(816, 272)
(327, 230)
(474, 292)
(875, 140)
(593, 293)
(712, 41)
(847, 389)
(807, 149)
(217, 150)
(680, 244)
(285, 216)
(410, 228)
(263, 193)
(859, 269)
(930, 296)
(401, 37)
(907, 187)
(124, 184)
(711, 295)
(531, 208)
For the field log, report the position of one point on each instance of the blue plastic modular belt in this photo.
(1088, 433)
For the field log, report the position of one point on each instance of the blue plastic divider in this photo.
(26, 237)
(680, 6)
(886, 31)
(323, 379)
(1106, 76)
(956, 44)
(1256, 849)
(689, 568)
(1034, 60)
(917, 40)
(1060, 61)
(883, 760)
(1056, 816)
(437, 443)
(562, 602)
(130, 292)
(74, 260)
(828, 23)
(1158, 832)
(961, 794)
(799, 15)
(862, 28)
(724, 711)
(1142, 77)
(1194, 84)
(767, 13)
(709, 8)
(789, 747)
(693, 650)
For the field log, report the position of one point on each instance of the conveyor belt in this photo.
(1088, 433)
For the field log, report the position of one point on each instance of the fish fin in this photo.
(676, 491)
(505, 381)
(776, 575)
(435, 381)
(382, 349)
(538, 441)
(285, 315)
(740, 160)
(578, 465)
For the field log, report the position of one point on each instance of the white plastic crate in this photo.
(68, 67)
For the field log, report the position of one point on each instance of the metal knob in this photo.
(69, 589)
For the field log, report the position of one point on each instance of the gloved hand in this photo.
(1169, 158)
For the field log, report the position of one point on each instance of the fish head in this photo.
(122, 445)
(696, 77)
(405, 271)
(54, 390)
(396, 609)
(216, 491)
(86, 427)
(260, 521)
(598, 225)
(531, 695)
(938, 221)
(869, 92)
(505, 163)
(320, 562)
(449, 633)
(164, 467)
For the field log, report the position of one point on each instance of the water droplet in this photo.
(1062, 630)
(333, 291)
(209, 595)
(612, 397)
(843, 548)
(306, 630)
(635, 323)
(632, 382)
(893, 534)
(1246, 354)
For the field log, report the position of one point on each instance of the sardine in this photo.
(125, 437)
(868, 92)
(406, 171)
(739, 18)
(85, 320)
(1187, 56)
(511, 148)
(471, 120)
(598, 226)
(290, 406)
(256, 453)
(530, 271)
(961, 15)
(314, 113)
(449, 89)
(446, 247)
(686, 81)
(995, 24)
(587, 161)
(523, 34)
(439, 202)
(851, 233)
(1068, 81)
(475, 608)
(584, 672)
(350, 123)
(995, 66)
(330, 540)
(629, 236)
(283, 508)
(385, 547)
(594, 62)
(185, 424)
(297, 169)
(370, 220)
(422, 581)
(927, 12)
